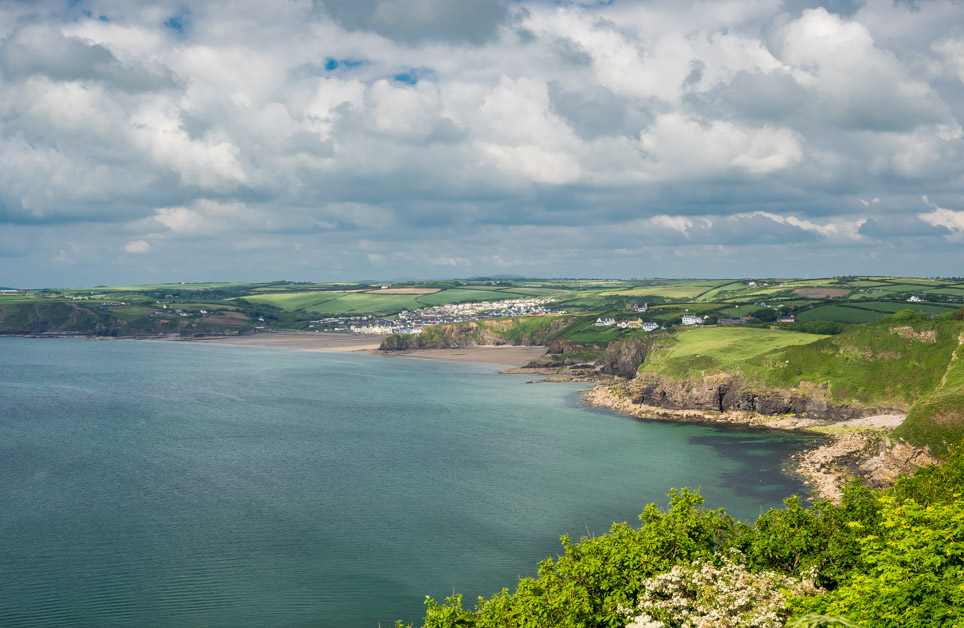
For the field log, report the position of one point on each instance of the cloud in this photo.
(283, 136)
(40, 50)
(860, 85)
(412, 21)
(949, 219)
(137, 246)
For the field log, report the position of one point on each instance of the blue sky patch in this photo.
(179, 21)
(332, 64)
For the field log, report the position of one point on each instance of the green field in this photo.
(869, 311)
(462, 295)
(681, 290)
(696, 351)
(361, 303)
(291, 301)
(840, 314)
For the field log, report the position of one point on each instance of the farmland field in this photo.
(681, 290)
(459, 295)
(718, 347)
(839, 314)
(291, 301)
(361, 303)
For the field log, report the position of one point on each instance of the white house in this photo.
(915, 299)
(650, 326)
(691, 319)
(604, 322)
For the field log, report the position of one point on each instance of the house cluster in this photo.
(343, 323)
(638, 307)
(106, 304)
(415, 321)
(626, 324)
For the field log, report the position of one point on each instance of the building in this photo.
(651, 326)
(789, 318)
(915, 299)
(731, 321)
(604, 322)
(639, 307)
(636, 324)
(692, 319)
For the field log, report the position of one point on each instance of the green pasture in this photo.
(868, 311)
(194, 287)
(681, 290)
(725, 289)
(291, 301)
(464, 295)
(926, 308)
(694, 351)
(362, 303)
(957, 292)
(839, 314)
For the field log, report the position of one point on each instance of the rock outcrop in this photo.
(493, 332)
(724, 393)
(624, 357)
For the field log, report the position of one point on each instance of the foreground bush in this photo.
(879, 558)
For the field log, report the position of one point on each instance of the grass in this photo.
(867, 364)
(291, 301)
(937, 419)
(680, 290)
(463, 295)
(840, 314)
(694, 352)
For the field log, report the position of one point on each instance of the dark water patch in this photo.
(187, 484)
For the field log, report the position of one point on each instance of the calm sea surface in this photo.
(179, 484)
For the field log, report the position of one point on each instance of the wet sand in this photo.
(332, 341)
(321, 341)
(508, 355)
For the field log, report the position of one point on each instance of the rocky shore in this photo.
(855, 447)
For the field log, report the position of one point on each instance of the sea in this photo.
(147, 483)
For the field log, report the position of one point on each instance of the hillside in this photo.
(905, 363)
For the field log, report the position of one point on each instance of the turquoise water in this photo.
(178, 484)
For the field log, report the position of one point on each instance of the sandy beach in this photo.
(507, 355)
(321, 341)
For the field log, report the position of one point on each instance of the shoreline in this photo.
(855, 448)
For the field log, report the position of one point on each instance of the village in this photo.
(413, 322)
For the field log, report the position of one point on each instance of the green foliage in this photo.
(911, 571)
(884, 558)
(813, 620)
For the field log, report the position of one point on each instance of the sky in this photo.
(341, 140)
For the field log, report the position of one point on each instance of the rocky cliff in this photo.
(624, 357)
(726, 393)
(505, 331)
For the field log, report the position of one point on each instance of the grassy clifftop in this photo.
(904, 361)
(937, 419)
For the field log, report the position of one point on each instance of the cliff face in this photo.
(624, 357)
(507, 331)
(724, 393)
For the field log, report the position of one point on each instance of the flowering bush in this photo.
(704, 595)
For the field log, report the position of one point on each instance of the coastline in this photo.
(856, 447)
(306, 341)
(507, 355)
